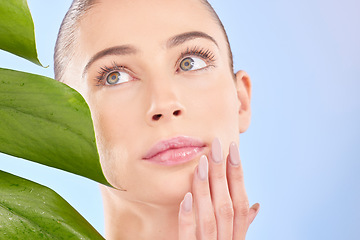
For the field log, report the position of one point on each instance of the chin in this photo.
(170, 186)
(176, 191)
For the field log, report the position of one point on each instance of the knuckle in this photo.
(219, 174)
(242, 208)
(185, 222)
(203, 190)
(226, 211)
(237, 176)
(209, 227)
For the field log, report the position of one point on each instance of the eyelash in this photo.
(105, 70)
(205, 54)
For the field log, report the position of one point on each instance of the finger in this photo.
(205, 217)
(237, 192)
(254, 210)
(220, 195)
(187, 225)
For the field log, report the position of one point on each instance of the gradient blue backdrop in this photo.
(301, 154)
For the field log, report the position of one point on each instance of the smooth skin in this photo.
(156, 101)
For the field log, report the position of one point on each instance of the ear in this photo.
(243, 87)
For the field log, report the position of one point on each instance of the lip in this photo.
(175, 151)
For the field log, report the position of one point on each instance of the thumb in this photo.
(253, 211)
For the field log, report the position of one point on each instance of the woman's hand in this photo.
(219, 207)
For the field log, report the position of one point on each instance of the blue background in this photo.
(301, 154)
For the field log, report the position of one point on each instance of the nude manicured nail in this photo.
(203, 168)
(216, 152)
(234, 154)
(187, 203)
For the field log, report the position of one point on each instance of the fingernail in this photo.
(203, 167)
(253, 212)
(187, 203)
(216, 152)
(234, 154)
(256, 207)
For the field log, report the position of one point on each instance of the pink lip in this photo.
(175, 151)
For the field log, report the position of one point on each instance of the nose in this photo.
(164, 106)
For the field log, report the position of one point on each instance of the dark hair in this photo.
(65, 43)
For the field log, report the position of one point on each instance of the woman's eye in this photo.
(116, 77)
(192, 63)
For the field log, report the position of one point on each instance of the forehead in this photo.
(144, 23)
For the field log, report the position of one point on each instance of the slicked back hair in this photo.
(68, 33)
(67, 36)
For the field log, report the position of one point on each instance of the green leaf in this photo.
(46, 121)
(31, 211)
(17, 34)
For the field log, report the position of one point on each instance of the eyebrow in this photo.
(117, 50)
(183, 37)
(129, 49)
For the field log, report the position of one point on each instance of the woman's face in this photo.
(165, 73)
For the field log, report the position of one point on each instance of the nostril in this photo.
(156, 117)
(177, 113)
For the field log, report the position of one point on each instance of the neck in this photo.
(133, 220)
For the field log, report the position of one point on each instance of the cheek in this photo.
(112, 123)
(216, 105)
(114, 114)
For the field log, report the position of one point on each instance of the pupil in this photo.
(187, 64)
